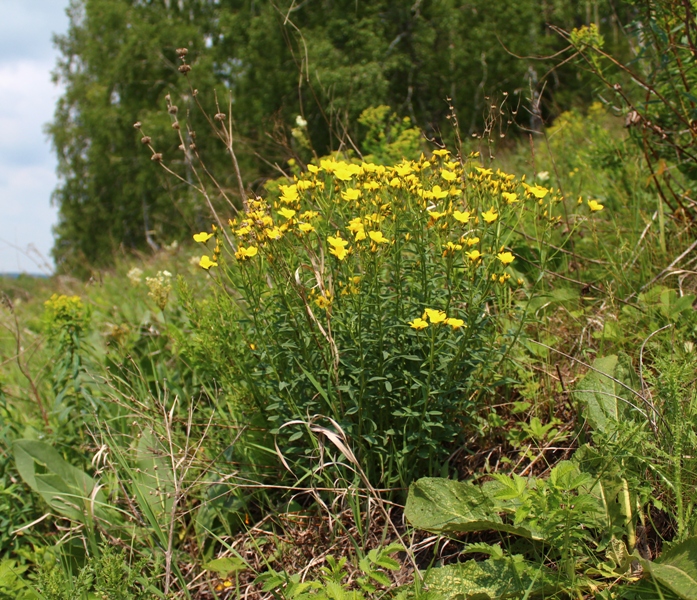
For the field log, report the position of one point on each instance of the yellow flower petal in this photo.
(202, 237)
(490, 215)
(206, 262)
(418, 324)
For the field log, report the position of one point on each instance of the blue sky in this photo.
(27, 100)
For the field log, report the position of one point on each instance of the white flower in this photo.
(300, 122)
(135, 276)
(543, 176)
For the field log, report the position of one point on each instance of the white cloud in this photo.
(27, 101)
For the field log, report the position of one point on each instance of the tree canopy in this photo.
(327, 60)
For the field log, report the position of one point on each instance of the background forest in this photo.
(389, 300)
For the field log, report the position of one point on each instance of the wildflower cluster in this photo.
(160, 286)
(65, 316)
(329, 269)
(435, 316)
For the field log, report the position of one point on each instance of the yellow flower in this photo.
(329, 165)
(472, 241)
(309, 215)
(438, 193)
(359, 235)
(289, 193)
(324, 302)
(371, 185)
(474, 255)
(206, 262)
(202, 237)
(448, 175)
(245, 253)
(484, 172)
(337, 242)
(594, 205)
(306, 227)
(274, 233)
(450, 248)
(435, 215)
(339, 251)
(313, 168)
(418, 324)
(463, 217)
(287, 213)
(454, 323)
(378, 237)
(443, 153)
(490, 215)
(538, 191)
(338, 247)
(435, 316)
(510, 197)
(505, 257)
(355, 224)
(351, 194)
(343, 174)
(403, 170)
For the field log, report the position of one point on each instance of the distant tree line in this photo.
(326, 60)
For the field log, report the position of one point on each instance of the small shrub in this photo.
(381, 297)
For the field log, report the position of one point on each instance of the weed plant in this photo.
(384, 299)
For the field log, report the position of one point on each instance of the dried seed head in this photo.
(192, 146)
(172, 110)
(181, 147)
(157, 157)
(182, 52)
(220, 116)
(184, 69)
(175, 125)
(137, 124)
(145, 140)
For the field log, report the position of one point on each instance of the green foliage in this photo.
(331, 585)
(379, 299)
(500, 577)
(388, 139)
(657, 98)
(109, 576)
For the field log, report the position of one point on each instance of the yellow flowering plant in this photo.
(377, 296)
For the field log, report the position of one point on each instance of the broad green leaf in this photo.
(487, 580)
(676, 569)
(607, 402)
(447, 506)
(226, 565)
(65, 488)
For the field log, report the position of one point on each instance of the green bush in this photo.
(379, 301)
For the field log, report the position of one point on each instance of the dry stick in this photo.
(194, 148)
(664, 272)
(647, 86)
(226, 137)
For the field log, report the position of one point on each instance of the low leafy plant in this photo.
(331, 584)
